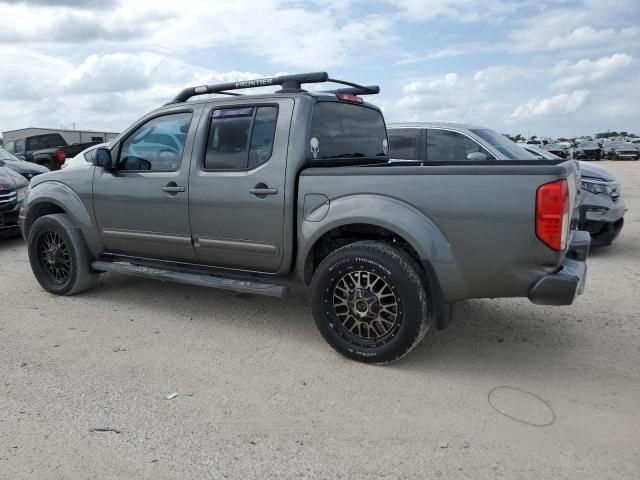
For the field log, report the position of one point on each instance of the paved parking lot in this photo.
(260, 395)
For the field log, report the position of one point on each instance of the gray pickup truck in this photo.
(254, 193)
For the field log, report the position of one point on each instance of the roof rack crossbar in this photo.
(359, 90)
(289, 83)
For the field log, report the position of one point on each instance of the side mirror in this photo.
(477, 157)
(102, 158)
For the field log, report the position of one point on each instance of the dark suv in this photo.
(13, 189)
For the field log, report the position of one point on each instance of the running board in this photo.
(202, 280)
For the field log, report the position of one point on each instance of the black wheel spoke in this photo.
(54, 257)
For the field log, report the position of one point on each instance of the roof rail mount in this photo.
(289, 84)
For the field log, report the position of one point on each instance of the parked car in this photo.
(13, 190)
(623, 151)
(26, 169)
(295, 187)
(84, 158)
(602, 208)
(556, 149)
(587, 151)
(50, 150)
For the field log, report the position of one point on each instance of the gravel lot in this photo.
(260, 395)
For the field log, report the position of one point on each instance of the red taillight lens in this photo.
(61, 156)
(347, 97)
(552, 214)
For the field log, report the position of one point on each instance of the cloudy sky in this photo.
(552, 68)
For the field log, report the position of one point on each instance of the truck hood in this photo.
(595, 172)
(10, 180)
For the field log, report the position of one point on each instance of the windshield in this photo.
(589, 145)
(344, 131)
(4, 155)
(509, 149)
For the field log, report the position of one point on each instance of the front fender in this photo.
(63, 197)
(398, 217)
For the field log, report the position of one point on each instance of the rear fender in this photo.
(398, 217)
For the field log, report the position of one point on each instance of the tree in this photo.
(516, 138)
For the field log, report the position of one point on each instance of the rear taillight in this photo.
(61, 156)
(552, 214)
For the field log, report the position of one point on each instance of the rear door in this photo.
(142, 208)
(237, 185)
(449, 146)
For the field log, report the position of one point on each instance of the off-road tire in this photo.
(403, 276)
(80, 277)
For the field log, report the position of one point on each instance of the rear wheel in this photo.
(370, 302)
(59, 257)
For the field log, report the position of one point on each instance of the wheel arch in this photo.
(374, 217)
(55, 197)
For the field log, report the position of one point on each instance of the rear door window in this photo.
(9, 147)
(344, 133)
(240, 138)
(447, 146)
(404, 144)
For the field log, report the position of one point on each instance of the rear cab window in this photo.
(347, 134)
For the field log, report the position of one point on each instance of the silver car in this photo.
(602, 209)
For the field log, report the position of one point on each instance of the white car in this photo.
(83, 158)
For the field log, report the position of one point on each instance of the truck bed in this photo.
(479, 235)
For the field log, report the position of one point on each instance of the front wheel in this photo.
(371, 302)
(59, 257)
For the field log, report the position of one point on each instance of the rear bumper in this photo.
(562, 287)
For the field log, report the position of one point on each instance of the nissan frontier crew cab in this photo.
(254, 193)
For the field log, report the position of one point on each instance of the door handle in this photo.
(261, 190)
(172, 189)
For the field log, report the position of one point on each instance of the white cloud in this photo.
(101, 92)
(587, 71)
(571, 29)
(489, 11)
(560, 104)
(316, 35)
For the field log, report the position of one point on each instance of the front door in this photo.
(237, 185)
(142, 208)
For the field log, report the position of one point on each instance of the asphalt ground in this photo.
(511, 390)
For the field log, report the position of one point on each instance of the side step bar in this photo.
(192, 278)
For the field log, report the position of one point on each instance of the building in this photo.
(71, 136)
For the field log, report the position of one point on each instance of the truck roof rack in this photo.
(289, 84)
